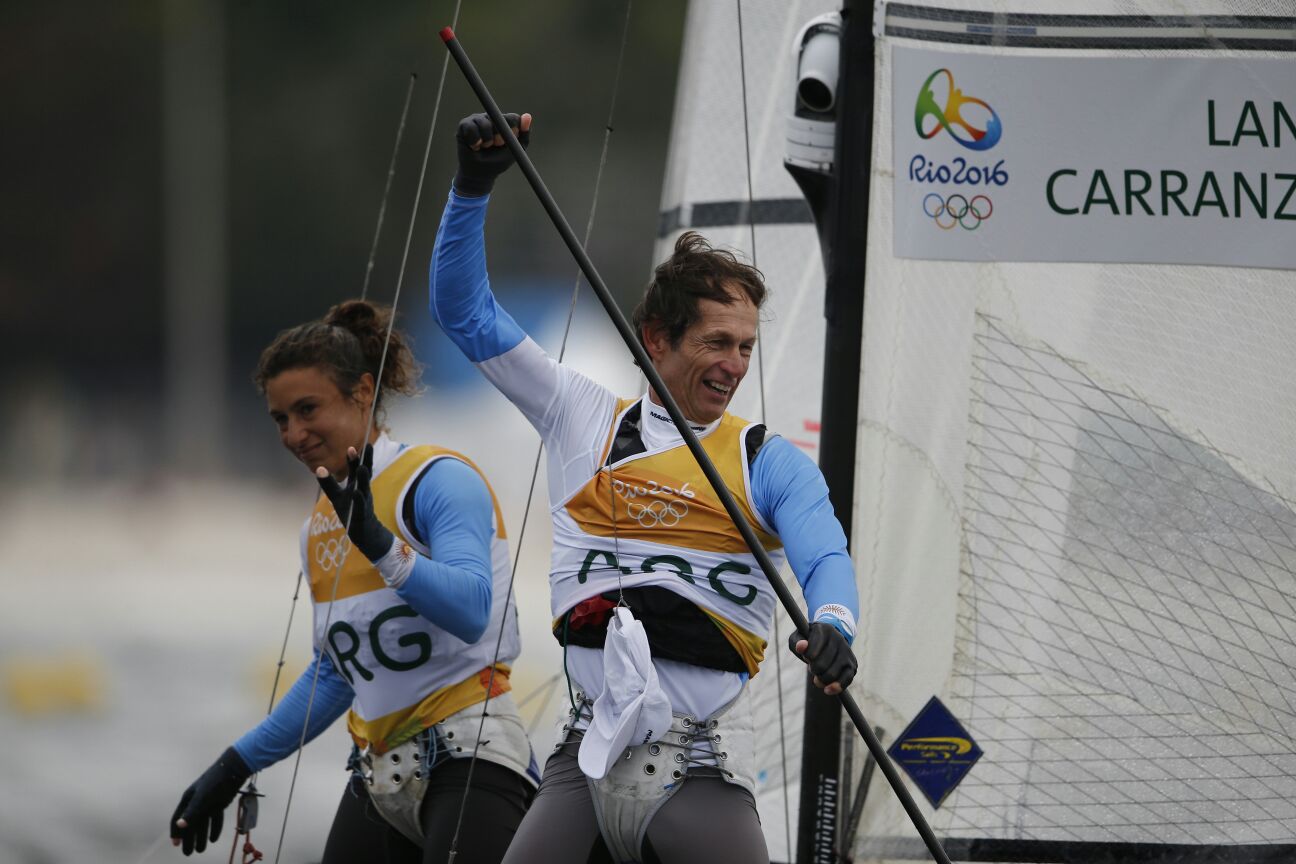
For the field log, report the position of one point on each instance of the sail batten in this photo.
(735, 214)
(1059, 30)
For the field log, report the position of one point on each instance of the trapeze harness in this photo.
(418, 689)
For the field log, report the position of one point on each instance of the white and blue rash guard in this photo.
(453, 512)
(573, 414)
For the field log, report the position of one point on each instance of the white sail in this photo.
(1080, 477)
(1075, 507)
(706, 190)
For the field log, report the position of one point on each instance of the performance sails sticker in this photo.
(935, 751)
(1169, 160)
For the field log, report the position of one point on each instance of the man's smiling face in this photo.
(704, 369)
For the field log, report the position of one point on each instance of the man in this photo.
(638, 527)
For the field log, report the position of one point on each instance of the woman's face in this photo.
(317, 421)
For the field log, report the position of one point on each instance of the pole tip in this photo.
(446, 34)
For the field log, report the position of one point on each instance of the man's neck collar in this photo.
(657, 418)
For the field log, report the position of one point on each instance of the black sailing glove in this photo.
(828, 654)
(369, 535)
(479, 168)
(202, 806)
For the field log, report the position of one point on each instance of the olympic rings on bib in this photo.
(332, 553)
(957, 210)
(667, 514)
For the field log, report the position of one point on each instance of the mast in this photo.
(841, 217)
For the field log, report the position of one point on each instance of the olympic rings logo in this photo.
(332, 553)
(957, 210)
(667, 514)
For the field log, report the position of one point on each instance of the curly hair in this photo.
(346, 343)
(694, 271)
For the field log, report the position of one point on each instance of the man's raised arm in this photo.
(461, 299)
(460, 293)
(565, 407)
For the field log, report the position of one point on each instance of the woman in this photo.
(404, 560)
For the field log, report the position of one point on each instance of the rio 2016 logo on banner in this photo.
(974, 125)
(950, 115)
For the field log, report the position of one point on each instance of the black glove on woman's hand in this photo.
(828, 654)
(481, 160)
(202, 806)
(369, 535)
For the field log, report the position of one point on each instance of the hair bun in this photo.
(357, 316)
(353, 338)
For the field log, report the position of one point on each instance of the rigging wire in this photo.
(760, 379)
(369, 429)
(535, 469)
(283, 649)
(751, 196)
(391, 172)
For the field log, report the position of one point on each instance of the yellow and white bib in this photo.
(407, 673)
(652, 518)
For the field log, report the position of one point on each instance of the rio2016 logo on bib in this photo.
(950, 116)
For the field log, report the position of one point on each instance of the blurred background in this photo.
(182, 180)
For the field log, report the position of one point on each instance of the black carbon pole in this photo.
(844, 230)
(695, 447)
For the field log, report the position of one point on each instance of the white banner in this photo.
(1160, 160)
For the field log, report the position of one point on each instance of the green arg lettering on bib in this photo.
(597, 560)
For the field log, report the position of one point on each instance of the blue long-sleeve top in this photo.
(787, 488)
(452, 589)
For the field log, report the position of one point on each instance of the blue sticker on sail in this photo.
(935, 751)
